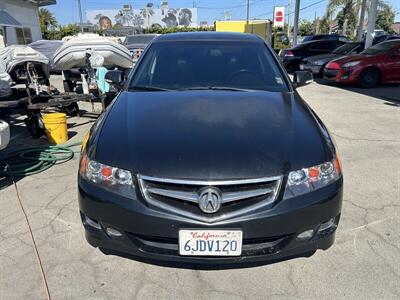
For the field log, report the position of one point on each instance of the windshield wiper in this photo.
(147, 88)
(214, 88)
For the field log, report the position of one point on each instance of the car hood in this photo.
(355, 57)
(321, 59)
(210, 135)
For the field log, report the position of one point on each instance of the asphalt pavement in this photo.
(364, 262)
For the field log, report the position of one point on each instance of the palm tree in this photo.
(137, 20)
(125, 17)
(349, 10)
(46, 19)
(147, 12)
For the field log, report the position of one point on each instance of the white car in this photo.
(4, 134)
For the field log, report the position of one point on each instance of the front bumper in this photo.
(290, 63)
(341, 75)
(152, 235)
(315, 69)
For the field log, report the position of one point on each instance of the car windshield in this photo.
(138, 39)
(381, 48)
(308, 38)
(345, 49)
(208, 65)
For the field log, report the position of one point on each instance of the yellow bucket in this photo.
(56, 127)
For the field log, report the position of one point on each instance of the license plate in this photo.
(210, 242)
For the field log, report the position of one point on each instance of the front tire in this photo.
(369, 78)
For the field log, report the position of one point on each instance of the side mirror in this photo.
(114, 77)
(302, 78)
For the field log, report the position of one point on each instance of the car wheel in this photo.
(369, 78)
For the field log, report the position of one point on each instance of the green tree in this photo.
(349, 12)
(351, 18)
(306, 28)
(346, 13)
(385, 16)
(125, 17)
(62, 31)
(46, 19)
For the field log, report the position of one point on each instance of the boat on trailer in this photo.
(24, 66)
(73, 53)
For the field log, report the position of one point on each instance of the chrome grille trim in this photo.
(151, 187)
(186, 196)
(212, 182)
(194, 197)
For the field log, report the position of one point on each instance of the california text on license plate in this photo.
(210, 242)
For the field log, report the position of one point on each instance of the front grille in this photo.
(330, 73)
(182, 196)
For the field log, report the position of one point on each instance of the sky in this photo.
(66, 11)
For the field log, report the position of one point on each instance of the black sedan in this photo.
(317, 63)
(209, 155)
(291, 58)
(331, 37)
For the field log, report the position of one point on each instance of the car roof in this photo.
(393, 37)
(354, 43)
(394, 42)
(208, 36)
(144, 34)
(318, 42)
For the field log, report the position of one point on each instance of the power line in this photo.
(301, 9)
(219, 8)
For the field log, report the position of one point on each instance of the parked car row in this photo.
(375, 65)
(342, 62)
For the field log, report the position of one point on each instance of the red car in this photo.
(377, 64)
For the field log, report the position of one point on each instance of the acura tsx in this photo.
(209, 155)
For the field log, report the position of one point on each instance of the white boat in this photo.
(4, 134)
(73, 53)
(23, 65)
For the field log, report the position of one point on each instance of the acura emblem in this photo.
(210, 200)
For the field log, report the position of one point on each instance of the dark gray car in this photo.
(317, 63)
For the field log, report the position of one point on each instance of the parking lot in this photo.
(364, 262)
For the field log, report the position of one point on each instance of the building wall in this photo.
(396, 27)
(27, 14)
(163, 17)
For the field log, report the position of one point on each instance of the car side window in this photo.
(326, 47)
(357, 49)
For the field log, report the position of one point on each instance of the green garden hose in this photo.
(30, 161)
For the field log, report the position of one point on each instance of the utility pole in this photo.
(248, 11)
(296, 22)
(80, 15)
(360, 28)
(371, 23)
(289, 17)
(315, 22)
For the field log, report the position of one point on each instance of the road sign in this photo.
(279, 16)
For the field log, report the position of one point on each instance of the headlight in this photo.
(309, 179)
(110, 178)
(351, 64)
